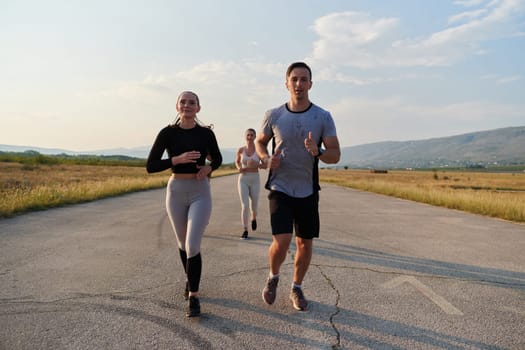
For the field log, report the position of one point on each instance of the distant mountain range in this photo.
(493, 147)
(483, 148)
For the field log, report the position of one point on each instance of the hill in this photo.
(484, 148)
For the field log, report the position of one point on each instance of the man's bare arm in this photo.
(332, 152)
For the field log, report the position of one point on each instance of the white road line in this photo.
(426, 291)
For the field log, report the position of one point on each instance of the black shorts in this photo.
(287, 213)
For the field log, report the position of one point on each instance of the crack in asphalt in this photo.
(124, 295)
(337, 345)
(434, 276)
(319, 266)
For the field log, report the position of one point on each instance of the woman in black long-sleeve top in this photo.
(188, 196)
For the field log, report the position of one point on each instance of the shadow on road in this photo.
(491, 276)
(341, 319)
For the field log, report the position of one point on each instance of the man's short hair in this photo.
(298, 65)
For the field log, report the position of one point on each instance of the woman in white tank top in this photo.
(248, 185)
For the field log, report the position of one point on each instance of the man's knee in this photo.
(282, 241)
(304, 244)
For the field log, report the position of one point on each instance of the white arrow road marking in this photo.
(426, 291)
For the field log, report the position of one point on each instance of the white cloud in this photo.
(466, 15)
(146, 90)
(468, 3)
(208, 72)
(270, 69)
(502, 80)
(347, 36)
(218, 76)
(230, 73)
(510, 79)
(335, 74)
(352, 28)
(222, 82)
(358, 40)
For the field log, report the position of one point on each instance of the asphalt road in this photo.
(386, 274)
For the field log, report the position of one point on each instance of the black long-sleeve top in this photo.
(175, 141)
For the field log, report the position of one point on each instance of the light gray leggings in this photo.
(248, 187)
(188, 202)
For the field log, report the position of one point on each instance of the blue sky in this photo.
(90, 75)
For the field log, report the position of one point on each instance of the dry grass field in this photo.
(26, 187)
(500, 195)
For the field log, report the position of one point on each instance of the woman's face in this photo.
(188, 105)
(249, 135)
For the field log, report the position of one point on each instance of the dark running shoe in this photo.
(270, 290)
(194, 307)
(186, 291)
(244, 235)
(298, 300)
(254, 225)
